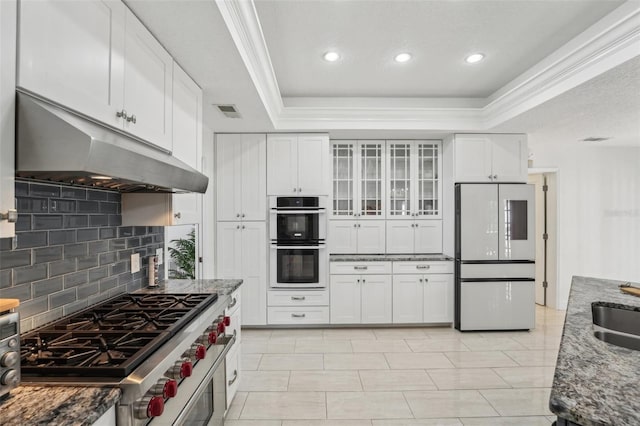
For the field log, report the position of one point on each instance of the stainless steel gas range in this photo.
(166, 352)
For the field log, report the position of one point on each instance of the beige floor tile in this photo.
(236, 405)
(379, 346)
(316, 346)
(252, 423)
(437, 345)
(326, 380)
(367, 405)
(256, 334)
(349, 333)
(284, 405)
(291, 362)
(507, 421)
(534, 358)
(493, 344)
(264, 381)
(519, 402)
(268, 347)
(527, 377)
(480, 359)
(396, 380)
(467, 378)
(249, 361)
(326, 423)
(539, 341)
(297, 333)
(407, 361)
(418, 422)
(443, 333)
(453, 403)
(399, 333)
(360, 361)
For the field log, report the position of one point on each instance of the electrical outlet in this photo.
(135, 263)
(159, 255)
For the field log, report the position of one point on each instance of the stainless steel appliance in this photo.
(9, 352)
(165, 351)
(495, 257)
(298, 251)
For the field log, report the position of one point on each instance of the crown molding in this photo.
(608, 43)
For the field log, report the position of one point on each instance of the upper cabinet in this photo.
(298, 164)
(414, 184)
(96, 58)
(490, 158)
(241, 170)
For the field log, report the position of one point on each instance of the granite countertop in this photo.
(83, 405)
(388, 257)
(595, 383)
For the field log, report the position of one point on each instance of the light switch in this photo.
(135, 263)
(159, 253)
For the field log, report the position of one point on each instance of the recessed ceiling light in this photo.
(402, 57)
(331, 56)
(474, 58)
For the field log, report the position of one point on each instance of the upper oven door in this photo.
(297, 220)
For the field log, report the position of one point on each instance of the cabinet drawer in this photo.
(423, 267)
(360, 268)
(233, 304)
(232, 372)
(298, 298)
(235, 326)
(299, 315)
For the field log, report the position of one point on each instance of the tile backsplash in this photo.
(70, 251)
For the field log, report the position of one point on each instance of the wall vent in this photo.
(228, 110)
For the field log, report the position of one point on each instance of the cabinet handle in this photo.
(423, 266)
(294, 189)
(233, 303)
(490, 177)
(495, 176)
(420, 280)
(358, 225)
(235, 377)
(298, 297)
(299, 189)
(298, 315)
(358, 280)
(355, 225)
(10, 216)
(237, 226)
(242, 215)
(364, 281)
(131, 119)
(360, 268)
(242, 226)
(177, 215)
(237, 214)
(122, 114)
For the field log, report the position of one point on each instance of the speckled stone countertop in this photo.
(388, 257)
(595, 383)
(83, 405)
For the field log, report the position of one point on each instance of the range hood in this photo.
(54, 144)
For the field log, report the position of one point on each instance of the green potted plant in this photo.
(183, 254)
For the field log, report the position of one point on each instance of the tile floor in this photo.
(397, 376)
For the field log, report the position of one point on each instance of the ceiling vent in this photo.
(594, 139)
(228, 110)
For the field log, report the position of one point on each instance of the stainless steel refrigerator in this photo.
(495, 257)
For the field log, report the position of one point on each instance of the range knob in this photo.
(9, 378)
(181, 369)
(220, 327)
(166, 388)
(148, 406)
(196, 351)
(9, 359)
(227, 321)
(212, 337)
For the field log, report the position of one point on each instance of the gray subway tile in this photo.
(96, 247)
(62, 237)
(22, 292)
(23, 223)
(28, 274)
(106, 233)
(158, 238)
(26, 324)
(89, 234)
(108, 283)
(62, 267)
(97, 195)
(75, 307)
(76, 221)
(44, 287)
(98, 273)
(6, 244)
(87, 262)
(75, 279)
(32, 239)
(47, 317)
(88, 207)
(119, 268)
(125, 254)
(117, 244)
(12, 259)
(139, 230)
(98, 220)
(5, 278)
(21, 188)
(47, 221)
(100, 297)
(115, 220)
(39, 190)
(118, 290)
(75, 193)
(114, 196)
(108, 258)
(133, 242)
(86, 290)
(146, 240)
(125, 231)
(125, 278)
(106, 207)
(47, 254)
(75, 250)
(134, 285)
(62, 298)
(32, 205)
(62, 206)
(34, 307)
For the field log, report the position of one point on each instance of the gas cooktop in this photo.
(110, 339)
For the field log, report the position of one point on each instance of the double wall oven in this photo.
(298, 228)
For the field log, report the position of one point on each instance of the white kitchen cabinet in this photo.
(414, 236)
(8, 13)
(298, 164)
(232, 364)
(240, 174)
(289, 307)
(356, 236)
(360, 299)
(96, 58)
(490, 158)
(241, 252)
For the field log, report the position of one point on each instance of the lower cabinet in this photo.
(232, 361)
(291, 307)
(422, 298)
(360, 299)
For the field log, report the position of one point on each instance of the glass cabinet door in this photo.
(371, 179)
(343, 187)
(428, 179)
(399, 190)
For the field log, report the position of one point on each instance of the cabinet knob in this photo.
(131, 119)
(295, 189)
(358, 225)
(242, 226)
(177, 215)
(122, 114)
(299, 189)
(490, 177)
(237, 214)
(495, 176)
(242, 214)
(420, 280)
(364, 281)
(237, 226)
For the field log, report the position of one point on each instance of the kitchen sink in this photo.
(617, 324)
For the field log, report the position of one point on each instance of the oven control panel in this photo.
(9, 352)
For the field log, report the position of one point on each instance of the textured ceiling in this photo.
(514, 35)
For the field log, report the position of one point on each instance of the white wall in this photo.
(598, 209)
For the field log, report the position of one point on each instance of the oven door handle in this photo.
(310, 211)
(277, 247)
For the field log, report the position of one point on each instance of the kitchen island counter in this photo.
(595, 383)
(222, 287)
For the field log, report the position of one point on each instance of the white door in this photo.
(282, 164)
(253, 193)
(428, 236)
(479, 222)
(343, 236)
(516, 229)
(400, 236)
(509, 158)
(228, 250)
(438, 298)
(148, 79)
(254, 273)
(497, 305)
(371, 236)
(187, 119)
(73, 53)
(407, 299)
(314, 164)
(472, 158)
(376, 299)
(345, 299)
(228, 176)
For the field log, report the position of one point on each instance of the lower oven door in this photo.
(298, 266)
(200, 403)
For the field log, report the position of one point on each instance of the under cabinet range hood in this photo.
(54, 144)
